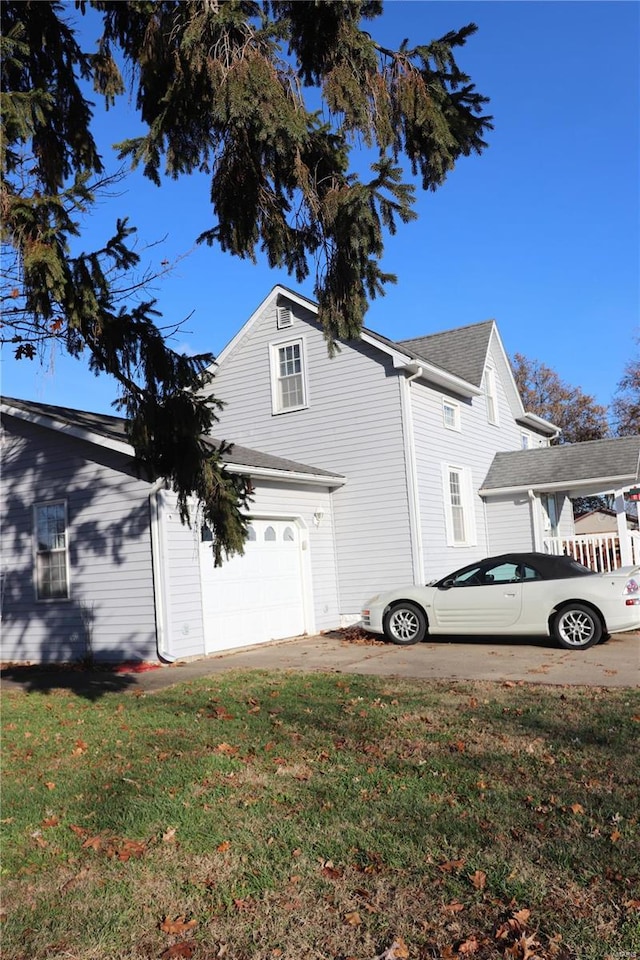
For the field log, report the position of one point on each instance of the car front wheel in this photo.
(577, 627)
(405, 623)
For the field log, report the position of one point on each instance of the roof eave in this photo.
(118, 446)
(599, 484)
(292, 476)
(539, 423)
(70, 430)
(441, 378)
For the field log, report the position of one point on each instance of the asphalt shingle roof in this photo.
(568, 463)
(462, 351)
(113, 428)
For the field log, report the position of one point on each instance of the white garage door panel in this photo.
(256, 597)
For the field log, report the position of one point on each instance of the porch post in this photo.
(623, 531)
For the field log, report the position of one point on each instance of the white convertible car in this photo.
(514, 594)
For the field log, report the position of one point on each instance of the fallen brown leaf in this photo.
(93, 843)
(243, 903)
(80, 875)
(454, 907)
(450, 865)
(397, 951)
(220, 713)
(182, 949)
(469, 946)
(178, 925)
(129, 849)
(353, 919)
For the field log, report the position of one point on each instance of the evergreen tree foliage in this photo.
(219, 87)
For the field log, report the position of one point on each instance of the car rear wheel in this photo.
(577, 627)
(405, 623)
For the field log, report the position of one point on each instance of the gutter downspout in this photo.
(157, 564)
(412, 471)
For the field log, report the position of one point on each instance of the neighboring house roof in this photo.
(595, 464)
(462, 351)
(111, 431)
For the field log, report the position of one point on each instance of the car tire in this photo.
(405, 623)
(577, 627)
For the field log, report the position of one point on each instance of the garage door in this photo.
(256, 597)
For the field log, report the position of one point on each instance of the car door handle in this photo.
(509, 594)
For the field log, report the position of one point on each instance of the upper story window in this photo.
(289, 390)
(51, 550)
(491, 395)
(450, 414)
(525, 441)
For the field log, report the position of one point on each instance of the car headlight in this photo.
(632, 586)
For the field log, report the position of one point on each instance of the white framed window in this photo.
(51, 550)
(525, 441)
(288, 376)
(550, 514)
(451, 414)
(458, 506)
(491, 395)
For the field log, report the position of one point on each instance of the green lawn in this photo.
(295, 817)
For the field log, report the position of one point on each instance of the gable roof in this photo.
(402, 356)
(462, 351)
(451, 359)
(597, 465)
(109, 431)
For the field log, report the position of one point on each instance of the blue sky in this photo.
(541, 232)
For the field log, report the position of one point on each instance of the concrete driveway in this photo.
(615, 663)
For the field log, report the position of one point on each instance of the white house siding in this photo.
(472, 448)
(510, 524)
(352, 426)
(111, 610)
(182, 633)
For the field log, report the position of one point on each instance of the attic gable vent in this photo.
(284, 318)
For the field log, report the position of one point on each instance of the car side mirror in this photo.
(447, 584)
